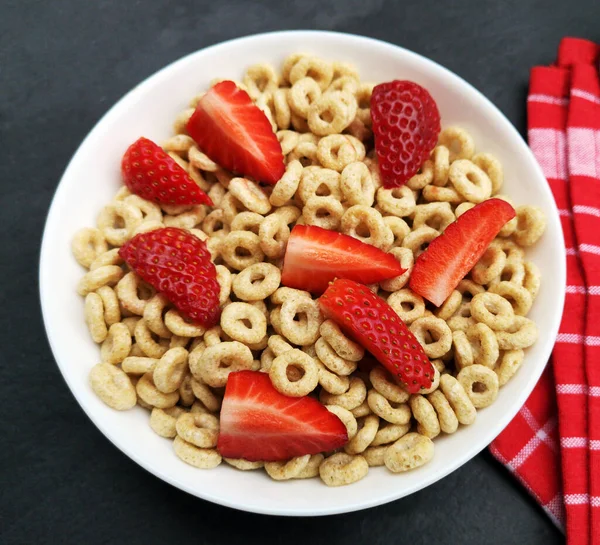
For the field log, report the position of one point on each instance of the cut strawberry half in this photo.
(236, 134)
(370, 321)
(258, 423)
(449, 257)
(150, 173)
(315, 256)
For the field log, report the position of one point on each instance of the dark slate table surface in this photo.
(63, 63)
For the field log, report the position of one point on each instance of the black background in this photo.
(63, 63)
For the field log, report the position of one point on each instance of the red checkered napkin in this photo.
(553, 444)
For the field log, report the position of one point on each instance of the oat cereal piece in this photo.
(435, 381)
(362, 410)
(317, 69)
(458, 399)
(395, 413)
(383, 382)
(153, 315)
(521, 334)
(446, 416)
(480, 383)
(266, 360)
(285, 470)
(409, 452)
(367, 429)
(436, 329)
(406, 259)
(389, 434)
(493, 310)
(170, 370)
(214, 224)
(260, 79)
(274, 231)
(150, 394)
(470, 181)
(531, 280)
(331, 113)
(436, 215)
(234, 318)
(300, 320)
(256, 282)
(336, 152)
(432, 193)
(424, 413)
(319, 182)
(131, 322)
(117, 345)
(186, 393)
(302, 95)
(202, 458)
(365, 224)
(94, 317)
(247, 221)
(330, 382)
(513, 251)
(344, 83)
(342, 345)
(459, 143)
(484, 344)
(312, 468)
(517, 296)
(201, 161)
(342, 469)
(279, 345)
(489, 266)
(250, 195)
(346, 417)
(441, 165)
(531, 224)
(102, 276)
(112, 386)
(244, 465)
(399, 201)
(230, 206)
(325, 212)
(88, 244)
(111, 257)
(200, 430)
(422, 178)
(138, 365)
(513, 272)
(133, 293)
(162, 421)
(278, 373)
(407, 304)
(118, 213)
(287, 186)
(357, 184)
(399, 229)
(150, 347)
(510, 361)
(240, 249)
(463, 352)
(449, 306)
(492, 167)
(332, 360)
(462, 208)
(356, 394)
(418, 239)
(219, 360)
(203, 393)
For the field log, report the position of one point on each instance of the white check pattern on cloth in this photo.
(548, 146)
(581, 161)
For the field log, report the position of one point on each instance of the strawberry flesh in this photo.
(258, 423)
(449, 257)
(150, 173)
(315, 256)
(406, 125)
(236, 134)
(178, 264)
(370, 321)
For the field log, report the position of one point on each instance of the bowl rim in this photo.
(165, 73)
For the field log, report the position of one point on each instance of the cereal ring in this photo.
(362, 410)
(247, 221)
(356, 394)
(274, 231)
(399, 201)
(384, 383)
(432, 193)
(256, 282)
(187, 219)
(153, 315)
(459, 142)
(480, 383)
(279, 345)
(234, 318)
(531, 224)
(112, 386)
(302, 95)
(305, 329)
(288, 140)
(214, 224)
(219, 360)
(87, 245)
(284, 293)
(435, 381)
(357, 184)
(458, 399)
(111, 257)
(133, 293)
(118, 220)
(289, 469)
(202, 458)
(305, 153)
(365, 224)
(94, 317)
(240, 249)
(517, 296)
(343, 347)
(117, 345)
(312, 67)
(425, 415)
(319, 182)
(122, 193)
(170, 371)
(178, 342)
(441, 165)
(463, 352)
(470, 181)
(231, 208)
(430, 327)
(331, 113)
(281, 108)
(493, 169)
(367, 429)
(399, 229)
(330, 382)
(344, 83)
(489, 266)
(331, 360)
(531, 280)
(250, 195)
(389, 434)
(278, 373)
(201, 161)
(102, 276)
(509, 227)
(346, 417)
(363, 97)
(244, 465)
(484, 344)
(342, 469)
(374, 455)
(423, 177)
(434, 215)
(299, 124)
(138, 365)
(447, 419)
(131, 322)
(325, 212)
(513, 272)
(359, 130)
(460, 323)
(462, 208)
(449, 306)
(143, 338)
(312, 468)
(204, 394)
(513, 251)
(150, 394)
(493, 310)
(521, 334)
(286, 187)
(147, 226)
(409, 452)
(418, 240)
(408, 305)
(275, 319)
(510, 361)
(406, 259)
(260, 79)
(200, 430)
(266, 360)
(335, 151)
(162, 421)
(396, 413)
(150, 211)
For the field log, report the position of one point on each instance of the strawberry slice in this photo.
(370, 321)
(235, 133)
(316, 256)
(406, 125)
(150, 173)
(449, 257)
(178, 264)
(259, 423)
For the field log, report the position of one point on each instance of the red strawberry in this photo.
(453, 254)
(235, 133)
(177, 264)
(150, 173)
(406, 125)
(259, 423)
(315, 256)
(370, 321)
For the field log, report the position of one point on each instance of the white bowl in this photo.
(93, 176)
